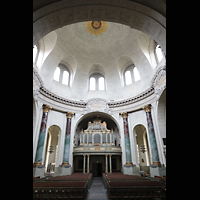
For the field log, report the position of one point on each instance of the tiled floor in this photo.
(97, 190)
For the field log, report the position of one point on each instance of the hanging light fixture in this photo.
(51, 149)
(142, 148)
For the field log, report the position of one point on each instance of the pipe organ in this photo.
(97, 134)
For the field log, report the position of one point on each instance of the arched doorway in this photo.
(142, 147)
(51, 153)
(161, 113)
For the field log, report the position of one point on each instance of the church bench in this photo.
(60, 189)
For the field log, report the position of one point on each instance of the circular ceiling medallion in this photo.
(96, 24)
(96, 27)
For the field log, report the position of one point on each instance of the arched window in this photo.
(56, 75)
(159, 54)
(62, 74)
(136, 74)
(35, 52)
(97, 82)
(131, 75)
(92, 83)
(65, 79)
(128, 78)
(101, 83)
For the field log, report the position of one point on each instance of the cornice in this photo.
(134, 99)
(60, 99)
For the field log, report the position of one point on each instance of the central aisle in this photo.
(97, 190)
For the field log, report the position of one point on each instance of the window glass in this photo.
(159, 53)
(101, 83)
(35, 50)
(65, 79)
(136, 74)
(92, 83)
(56, 74)
(128, 79)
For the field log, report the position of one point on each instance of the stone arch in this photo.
(135, 15)
(140, 132)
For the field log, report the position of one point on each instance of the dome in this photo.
(108, 53)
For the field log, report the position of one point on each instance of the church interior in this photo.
(99, 99)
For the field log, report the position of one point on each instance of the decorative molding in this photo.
(60, 99)
(159, 81)
(147, 108)
(134, 99)
(97, 104)
(124, 114)
(37, 83)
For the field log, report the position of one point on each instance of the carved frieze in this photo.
(97, 104)
(37, 83)
(159, 81)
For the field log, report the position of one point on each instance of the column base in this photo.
(63, 170)
(38, 170)
(157, 170)
(131, 169)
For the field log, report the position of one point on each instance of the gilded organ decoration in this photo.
(97, 134)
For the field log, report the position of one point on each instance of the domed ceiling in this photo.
(108, 51)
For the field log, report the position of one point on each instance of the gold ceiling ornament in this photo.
(96, 27)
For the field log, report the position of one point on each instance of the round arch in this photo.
(135, 15)
(92, 115)
(140, 132)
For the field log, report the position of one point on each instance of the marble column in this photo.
(40, 145)
(84, 163)
(67, 139)
(126, 138)
(110, 160)
(152, 138)
(88, 163)
(106, 163)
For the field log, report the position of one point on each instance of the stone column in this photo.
(84, 164)
(126, 138)
(110, 163)
(67, 139)
(88, 163)
(40, 145)
(152, 138)
(106, 163)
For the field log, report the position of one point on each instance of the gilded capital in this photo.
(147, 108)
(124, 114)
(46, 108)
(70, 114)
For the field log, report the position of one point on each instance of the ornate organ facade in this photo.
(97, 134)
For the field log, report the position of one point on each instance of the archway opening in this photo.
(51, 152)
(97, 145)
(142, 148)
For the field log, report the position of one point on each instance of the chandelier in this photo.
(142, 148)
(51, 149)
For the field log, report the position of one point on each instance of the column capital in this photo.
(46, 108)
(69, 114)
(147, 108)
(124, 114)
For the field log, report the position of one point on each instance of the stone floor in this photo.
(97, 190)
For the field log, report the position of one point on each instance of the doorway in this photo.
(97, 169)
